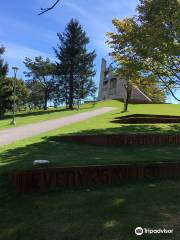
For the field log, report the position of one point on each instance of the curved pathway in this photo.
(18, 133)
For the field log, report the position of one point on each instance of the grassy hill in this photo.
(20, 155)
(101, 122)
(102, 213)
(35, 116)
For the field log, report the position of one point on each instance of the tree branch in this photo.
(170, 90)
(43, 10)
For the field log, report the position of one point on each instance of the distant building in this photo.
(112, 88)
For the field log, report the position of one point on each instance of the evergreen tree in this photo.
(75, 68)
(5, 86)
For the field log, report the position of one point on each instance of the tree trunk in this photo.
(66, 104)
(78, 104)
(71, 94)
(66, 96)
(1, 115)
(71, 88)
(45, 99)
(128, 96)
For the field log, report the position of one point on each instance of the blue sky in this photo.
(25, 34)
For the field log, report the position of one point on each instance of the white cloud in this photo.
(91, 19)
(15, 54)
(19, 52)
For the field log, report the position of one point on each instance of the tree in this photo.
(43, 72)
(158, 33)
(128, 72)
(151, 41)
(35, 98)
(127, 68)
(75, 68)
(21, 92)
(153, 89)
(5, 87)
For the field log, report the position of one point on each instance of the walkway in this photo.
(11, 135)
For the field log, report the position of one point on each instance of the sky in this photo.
(25, 34)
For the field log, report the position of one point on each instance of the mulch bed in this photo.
(146, 118)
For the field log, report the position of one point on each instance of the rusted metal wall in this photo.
(71, 177)
(122, 139)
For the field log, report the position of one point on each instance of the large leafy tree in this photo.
(158, 40)
(35, 99)
(153, 89)
(128, 72)
(5, 86)
(75, 67)
(43, 72)
(151, 40)
(127, 67)
(22, 93)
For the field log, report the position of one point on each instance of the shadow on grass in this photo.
(109, 212)
(172, 129)
(99, 213)
(36, 113)
(69, 154)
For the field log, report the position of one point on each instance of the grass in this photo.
(23, 118)
(103, 124)
(68, 154)
(22, 153)
(104, 213)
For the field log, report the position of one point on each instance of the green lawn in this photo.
(103, 124)
(68, 154)
(22, 153)
(23, 118)
(103, 213)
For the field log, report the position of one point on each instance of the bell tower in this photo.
(102, 78)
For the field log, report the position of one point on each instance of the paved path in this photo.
(18, 133)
